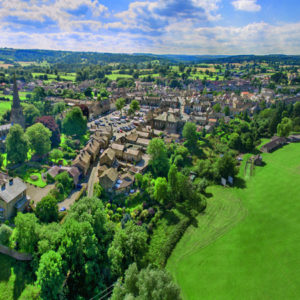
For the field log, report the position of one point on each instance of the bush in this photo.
(5, 233)
(49, 179)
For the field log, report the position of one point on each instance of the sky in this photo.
(191, 27)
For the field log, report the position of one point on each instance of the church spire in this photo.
(16, 113)
(16, 99)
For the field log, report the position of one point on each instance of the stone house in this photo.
(82, 162)
(118, 149)
(12, 196)
(108, 179)
(108, 157)
(132, 155)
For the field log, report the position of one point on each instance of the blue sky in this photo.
(156, 26)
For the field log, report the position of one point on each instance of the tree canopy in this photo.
(75, 123)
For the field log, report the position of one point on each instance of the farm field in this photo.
(246, 244)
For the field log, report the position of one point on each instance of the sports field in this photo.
(246, 244)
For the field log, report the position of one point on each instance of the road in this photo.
(92, 180)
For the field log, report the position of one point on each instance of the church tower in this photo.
(16, 114)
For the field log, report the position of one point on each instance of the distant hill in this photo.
(9, 55)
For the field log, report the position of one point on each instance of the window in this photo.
(1, 213)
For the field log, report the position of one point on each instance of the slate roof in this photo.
(13, 191)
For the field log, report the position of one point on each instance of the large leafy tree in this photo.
(161, 190)
(120, 103)
(26, 232)
(159, 158)
(147, 284)
(134, 106)
(5, 233)
(39, 138)
(30, 113)
(49, 122)
(16, 145)
(129, 245)
(47, 209)
(50, 275)
(285, 127)
(190, 134)
(75, 123)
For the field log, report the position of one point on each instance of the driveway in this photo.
(71, 199)
(36, 193)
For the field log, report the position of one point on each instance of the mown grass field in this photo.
(246, 244)
(13, 278)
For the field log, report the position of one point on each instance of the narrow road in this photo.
(92, 180)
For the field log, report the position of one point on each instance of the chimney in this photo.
(11, 181)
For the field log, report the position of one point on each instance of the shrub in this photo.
(5, 233)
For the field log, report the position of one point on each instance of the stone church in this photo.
(16, 115)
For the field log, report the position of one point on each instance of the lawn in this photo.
(115, 76)
(14, 277)
(246, 244)
(4, 106)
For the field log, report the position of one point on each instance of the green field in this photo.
(246, 244)
(4, 106)
(14, 277)
(115, 76)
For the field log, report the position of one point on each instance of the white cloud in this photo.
(246, 5)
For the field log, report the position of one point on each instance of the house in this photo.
(124, 184)
(143, 142)
(101, 170)
(12, 196)
(82, 162)
(275, 143)
(108, 157)
(132, 154)
(167, 121)
(132, 138)
(118, 149)
(108, 179)
(93, 148)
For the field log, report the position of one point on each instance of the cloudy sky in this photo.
(153, 26)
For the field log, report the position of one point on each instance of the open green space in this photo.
(115, 76)
(246, 244)
(14, 277)
(4, 106)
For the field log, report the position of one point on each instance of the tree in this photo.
(58, 107)
(217, 108)
(85, 110)
(161, 190)
(65, 180)
(75, 123)
(159, 158)
(26, 232)
(88, 92)
(189, 132)
(49, 122)
(227, 111)
(30, 113)
(56, 154)
(235, 141)
(50, 275)
(173, 182)
(134, 105)
(226, 166)
(39, 138)
(120, 103)
(5, 234)
(297, 109)
(38, 94)
(285, 127)
(128, 246)
(16, 144)
(148, 284)
(47, 209)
